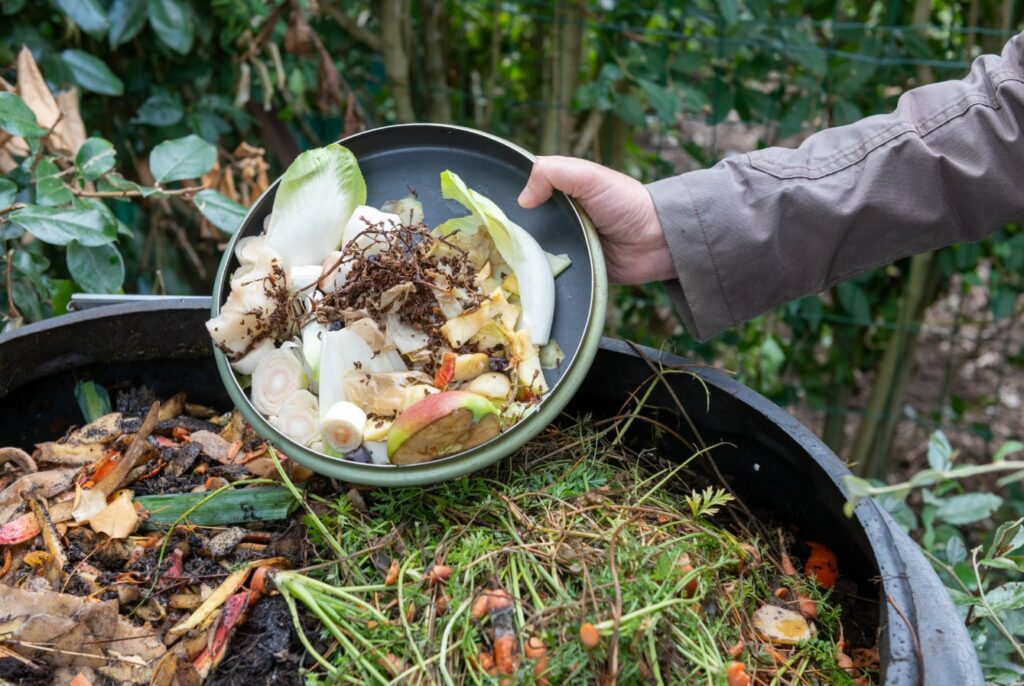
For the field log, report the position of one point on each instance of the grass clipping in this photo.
(577, 561)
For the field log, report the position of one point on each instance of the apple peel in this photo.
(441, 424)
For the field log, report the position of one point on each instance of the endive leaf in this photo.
(519, 249)
(314, 202)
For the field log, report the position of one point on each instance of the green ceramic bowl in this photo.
(396, 158)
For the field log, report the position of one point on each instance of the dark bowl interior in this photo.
(397, 159)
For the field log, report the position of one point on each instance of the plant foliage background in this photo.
(133, 133)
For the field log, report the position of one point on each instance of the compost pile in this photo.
(122, 556)
(161, 544)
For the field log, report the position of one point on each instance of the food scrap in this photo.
(371, 337)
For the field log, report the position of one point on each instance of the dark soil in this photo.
(265, 650)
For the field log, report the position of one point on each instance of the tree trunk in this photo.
(972, 25)
(433, 46)
(922, 18)
(393, 15)
(566, 53)
(486, 117)
(870, 451)
(615, 132)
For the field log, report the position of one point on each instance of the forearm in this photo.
(761, 229)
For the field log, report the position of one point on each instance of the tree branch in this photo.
(12, 309)
(185, 192)
(352, 28)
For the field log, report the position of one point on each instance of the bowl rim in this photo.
(467, 461)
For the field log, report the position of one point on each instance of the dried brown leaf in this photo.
(119, 519)
(46, 484)
(74, 128)
(33, 90)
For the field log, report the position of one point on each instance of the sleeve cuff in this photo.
(697, 294)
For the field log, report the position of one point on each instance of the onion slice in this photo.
(299, 418)
(278, 375)
(342, 426)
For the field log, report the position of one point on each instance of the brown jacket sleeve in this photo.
(760, 229)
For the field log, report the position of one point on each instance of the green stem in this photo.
(401, 613)
(443, 664)
(988, 608)
(607, 625)
(328, 538)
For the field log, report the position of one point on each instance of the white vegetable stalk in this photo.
(519, 249)
(330, 380)
(299, 418)
(342, 426)
(312, 346)
(247, 365)
(304, 277)
(314, 202)
(346, 352)
(378, 451)
(278, 375)
(364, 217)
(334, 272)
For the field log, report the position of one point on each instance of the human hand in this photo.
(622, 211)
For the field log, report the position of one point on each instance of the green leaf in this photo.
(1006, 563)
(127, 17)
(1004, 301)
(97, 269)
(1007, 538)
(17, 119)
(172, 22)
(27, 300)
(30, 264)
(722, 101)
(88, 14)
(50, 187)
(940, 452)
(95, 158)
(60, 294)
(93, 399)
(230, 507)
(730, 11)
(664, 101)
(968, 508)
(696, 99)
(160, 109)
(956, 552)
(629, 109)
(8, 191)
(91, 73)
(1005, 450)
(61, 226)
(854, 301)
(1009, 596)
(845, 112)
(222, 212)
(182, 158)
(960, 598)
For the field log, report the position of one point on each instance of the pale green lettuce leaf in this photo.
(314, 202)
(519, 249)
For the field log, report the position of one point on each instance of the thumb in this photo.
(575, 177)
(538, 187)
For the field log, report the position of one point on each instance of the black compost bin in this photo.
(777, 465)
